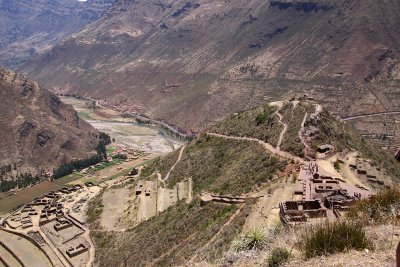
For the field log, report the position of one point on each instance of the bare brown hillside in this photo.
(37, 131)
(192, 63)
(32, 26)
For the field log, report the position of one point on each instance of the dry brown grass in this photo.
(172, 237)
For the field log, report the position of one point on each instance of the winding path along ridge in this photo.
(267, 146)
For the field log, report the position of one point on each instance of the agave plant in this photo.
(254, 239)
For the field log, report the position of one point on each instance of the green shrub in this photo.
(254, 239)
(330, 238)
(379, 208)
(265, 115)
(336, 165)
(261, 118)
(278, 256)
(120, 156)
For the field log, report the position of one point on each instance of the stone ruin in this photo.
(319, 197)
(62, 223)
(50, 208)
(365, 169)
(75, 251)
(207, 197)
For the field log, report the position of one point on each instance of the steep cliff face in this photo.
(192, 63)
(31, 26)
(37, 131)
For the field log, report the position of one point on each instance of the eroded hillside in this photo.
(29, 27)
(38, 132)
(194, 63)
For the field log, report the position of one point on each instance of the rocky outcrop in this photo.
(37, 131)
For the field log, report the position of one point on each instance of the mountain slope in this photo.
(32, 26)
(238, 179)
(192, 63)
(38, 132)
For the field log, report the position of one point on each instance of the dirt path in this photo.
(267, 146)
(217, 234)
(159, 178)
(176, 163)
(318, 109)
(282, 135)
(371, 115)
(301, 134)
(265, 212)
(92, 249)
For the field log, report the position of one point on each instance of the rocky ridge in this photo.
(37, 131)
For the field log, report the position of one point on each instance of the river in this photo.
(125, 131)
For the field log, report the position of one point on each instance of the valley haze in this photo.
(199, 133)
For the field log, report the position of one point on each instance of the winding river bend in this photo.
(126, 132)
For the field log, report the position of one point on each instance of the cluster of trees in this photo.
(105, 138)
(63, 170)
(265, 115)
(21, 182)
(69, 168)
(120, 156)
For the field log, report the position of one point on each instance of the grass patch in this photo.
(83, 180)
(223, 166)
(161, 164)
(103, 165)
(278, 257)
(336, 165)
(261, 123)
(119, 174)
(331, 238)
(380, 208)
(171, 238)
(68, 179)
(84, 115)
(111, 149)
(94, 210)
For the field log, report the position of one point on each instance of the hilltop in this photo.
(29, 27)
(194, 205)
(192, 64)
(37, 131)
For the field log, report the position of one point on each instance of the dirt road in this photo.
(267, 146)
(371, 115)
(282, 135)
